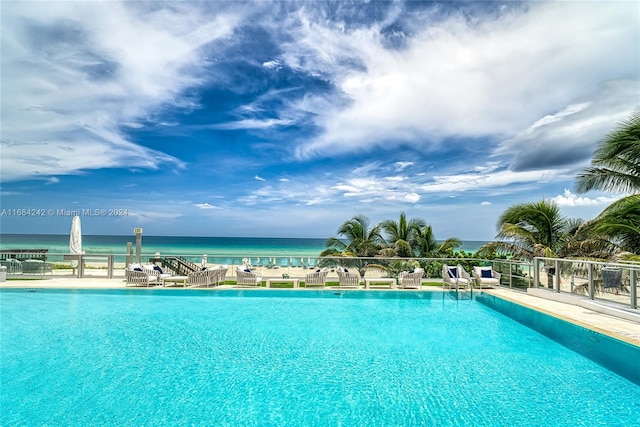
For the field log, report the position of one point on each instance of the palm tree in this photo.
(429, 247)
(621, 222)
(529, 230)
(359, 239)
(402, 234)
(615, 165)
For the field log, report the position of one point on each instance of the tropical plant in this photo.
(583, 241)
(621, 222)
(615, 165)
(401, 234)
(429, 247)
(527, 230)
(359, 239)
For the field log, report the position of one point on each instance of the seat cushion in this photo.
(478, 270)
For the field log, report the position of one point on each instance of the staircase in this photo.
(179, 265)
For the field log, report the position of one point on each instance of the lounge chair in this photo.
(153, 270)
(347, 278)
(32, 266)
(411, 279)
(455, 277)
(199, 278)
(247, 278)
(486, 276)
(220, 274)
(13, 265)
(317, 278)
(140, 278)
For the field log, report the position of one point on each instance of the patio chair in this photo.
(156, 270)
(455, 277)
(486, 276)
(347, 278)
(317, 278)
(247, 278)
(33, 266)
(411, 279)
(199, 278)
(220, 274)
(612, 279)
(13, 266)
(140, 278)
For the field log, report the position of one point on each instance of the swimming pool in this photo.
(303, 358)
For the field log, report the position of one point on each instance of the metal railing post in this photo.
(510, 265)
(536, 273)
(556, 277)
(80, 266)
(110, 267)
(634, 288)
(591, 285)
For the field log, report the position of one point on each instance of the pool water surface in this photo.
(292, 358)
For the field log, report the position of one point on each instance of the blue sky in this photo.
(284, 119)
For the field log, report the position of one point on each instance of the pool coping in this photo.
(578, 313)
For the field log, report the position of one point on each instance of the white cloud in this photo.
(273, 64)
(403, 165)
(252, 124)
(395, 178)
(412, 197)
(572, 200)
(569, 136)
(82, 69)
(465, 181)
(284, 180)
(206, 206)
(499, 74)
(485, 203)
(259, 178)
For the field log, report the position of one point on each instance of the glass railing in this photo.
(615, 282)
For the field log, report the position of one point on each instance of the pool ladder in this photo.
(462, 293)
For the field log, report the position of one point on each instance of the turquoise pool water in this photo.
(274, 358)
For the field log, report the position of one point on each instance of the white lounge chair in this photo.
(220, 274)
(155, 270)
(199, 278)
(411, 279)
(247, 278)
(455, 277)
(348, 278)
(140, 278)
(317, 278)
(486, 276)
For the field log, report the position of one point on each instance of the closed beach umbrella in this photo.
(204, 260)
(75, 239)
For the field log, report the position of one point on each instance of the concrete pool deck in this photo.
(617, 322)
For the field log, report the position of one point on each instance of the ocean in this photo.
(222, 250)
